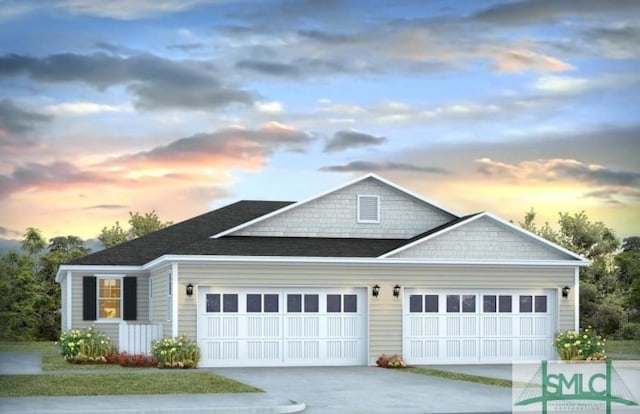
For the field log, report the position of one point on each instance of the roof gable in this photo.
(334, 214)
(482, 236)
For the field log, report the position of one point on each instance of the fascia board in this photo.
(348, 260)
(63, 269)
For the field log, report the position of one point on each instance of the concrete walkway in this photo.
(20, 363)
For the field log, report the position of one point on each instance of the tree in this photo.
(113, 235)
(140, 225)
(603, 300)
(33, 242)
(29, 295)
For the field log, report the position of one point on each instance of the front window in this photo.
(109, 298)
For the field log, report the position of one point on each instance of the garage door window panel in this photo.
(311, 303)
(526, 304)
(271, 303)
(294, 303)
(415, 303)
(350, 303)
(230, 303)
(541, 304)
(431, 303)
(504, 305)
(468, 303)
(213, 302)
(334, 303)
(453, 303)
(489, 304)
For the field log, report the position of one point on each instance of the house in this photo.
(366, 269)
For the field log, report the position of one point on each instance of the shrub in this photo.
(585, 344)
(630, 331)
(85, 346)
(136, 360)
(394, 361)
(179, 352)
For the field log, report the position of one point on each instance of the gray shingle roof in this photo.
(292, 246)
(193, 237)
(144, 249)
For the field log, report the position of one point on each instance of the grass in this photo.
(107, 379)
(193, 382)
(458, 376)
(623, 347)
(51, 358)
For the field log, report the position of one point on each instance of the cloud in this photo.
(558, 169)
(186, 47)
(369, 166)
(228, 146)
(343, 140)
(107, 207)
(518, 60)
(127, 9)
(541, 11)
(14, 120)
(156, 83)
(269, 107)
(83, 108)
(619, 41)
(56, 175)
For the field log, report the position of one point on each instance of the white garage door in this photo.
(281, 327)
(460, 326)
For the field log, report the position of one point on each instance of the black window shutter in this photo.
(130, 298)
(89, 305)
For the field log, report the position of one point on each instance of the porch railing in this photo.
(136, 337)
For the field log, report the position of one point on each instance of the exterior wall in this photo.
(385, 312)
(109, 328)
(335, 215)
(482, 239)
(160, 299)
(63, 304)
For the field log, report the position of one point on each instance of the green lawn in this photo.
(623, 347)
(116, 381)
(458, 376)
(51, 358)
(193, 382)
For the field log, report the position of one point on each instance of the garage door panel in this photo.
(449, 326)
(271, 327)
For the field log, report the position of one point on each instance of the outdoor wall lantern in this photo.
(396, 291)
(375, 291)
(189, 289)
(565, 291)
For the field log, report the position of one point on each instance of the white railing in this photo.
(136, 337)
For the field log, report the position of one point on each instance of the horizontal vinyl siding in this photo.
(385, 312)
(109, 328)
(63, 304)
(160, 301)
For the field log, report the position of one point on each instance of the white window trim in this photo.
(109, 320)
(359, 220)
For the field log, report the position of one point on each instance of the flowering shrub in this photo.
(583, 345)
(125, 359)
(394, 361)
(179, 352)
(85, 346)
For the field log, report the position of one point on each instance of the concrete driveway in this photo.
(372, 390)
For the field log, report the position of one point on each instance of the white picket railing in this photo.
(136, 338)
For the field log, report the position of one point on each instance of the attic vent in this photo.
(368, 209)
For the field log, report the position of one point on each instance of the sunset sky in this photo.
(183, 106)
